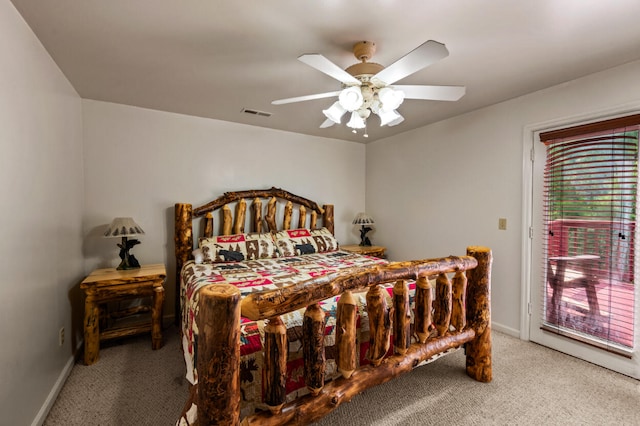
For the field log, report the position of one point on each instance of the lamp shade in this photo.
(388, 116)
(356, 121)
(334, 112)
(351, 98)
(123, 227)
(390, 99)
(363, 218)
(397, 121)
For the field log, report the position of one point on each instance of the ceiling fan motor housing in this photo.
(363, 51)
(364, 70)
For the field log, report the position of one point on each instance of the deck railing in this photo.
(611, 240)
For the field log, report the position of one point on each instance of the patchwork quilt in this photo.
(262, 274)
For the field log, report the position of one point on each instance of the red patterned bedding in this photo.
(257, 275)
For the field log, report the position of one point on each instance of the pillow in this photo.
(325, 241)
(294, 242)
(238, 247)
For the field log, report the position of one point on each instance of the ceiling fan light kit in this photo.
(334, 112)
(390, 99)
(357, 121)
(366, 86)
(387, 117)
(351, 98)
(397, 121)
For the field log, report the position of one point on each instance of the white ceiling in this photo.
(214, 58)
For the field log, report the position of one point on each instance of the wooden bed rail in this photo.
(311, 407)
(461, 314)
(267, 304)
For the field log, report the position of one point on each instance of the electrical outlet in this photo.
(61, 336)
(502, 223)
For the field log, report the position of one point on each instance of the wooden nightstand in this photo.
(377, 251)
(112, 285)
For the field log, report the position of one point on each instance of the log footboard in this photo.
(460, 314)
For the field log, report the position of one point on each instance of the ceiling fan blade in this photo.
(324, 65)
(432, 93)
(327, 123)
(420, 57)
(305, 98)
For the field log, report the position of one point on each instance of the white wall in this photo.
(140, 162)
(435, 190)
(40, 249)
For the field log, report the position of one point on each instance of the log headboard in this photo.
(308, 212)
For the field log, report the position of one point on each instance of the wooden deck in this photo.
(602, 252)
(615, 321)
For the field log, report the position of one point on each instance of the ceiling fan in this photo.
(368, 87)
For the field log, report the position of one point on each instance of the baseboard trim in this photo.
(64, 375)
(506, 330)
(53, 394)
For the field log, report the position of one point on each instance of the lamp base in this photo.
(364, 240)
(128, 260)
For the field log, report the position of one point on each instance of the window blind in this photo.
(589, 210)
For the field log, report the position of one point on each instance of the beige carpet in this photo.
(532, 385)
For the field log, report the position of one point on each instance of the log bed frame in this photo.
(460, 314)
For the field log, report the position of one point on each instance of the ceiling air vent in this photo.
(256, 112)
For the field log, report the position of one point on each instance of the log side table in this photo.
(112, 285)
(376, 251)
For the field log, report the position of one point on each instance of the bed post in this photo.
(219, 355)
(327, 218)
(479, 315)
(183, 238)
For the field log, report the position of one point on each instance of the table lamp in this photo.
(363, 220)
(125, 227)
